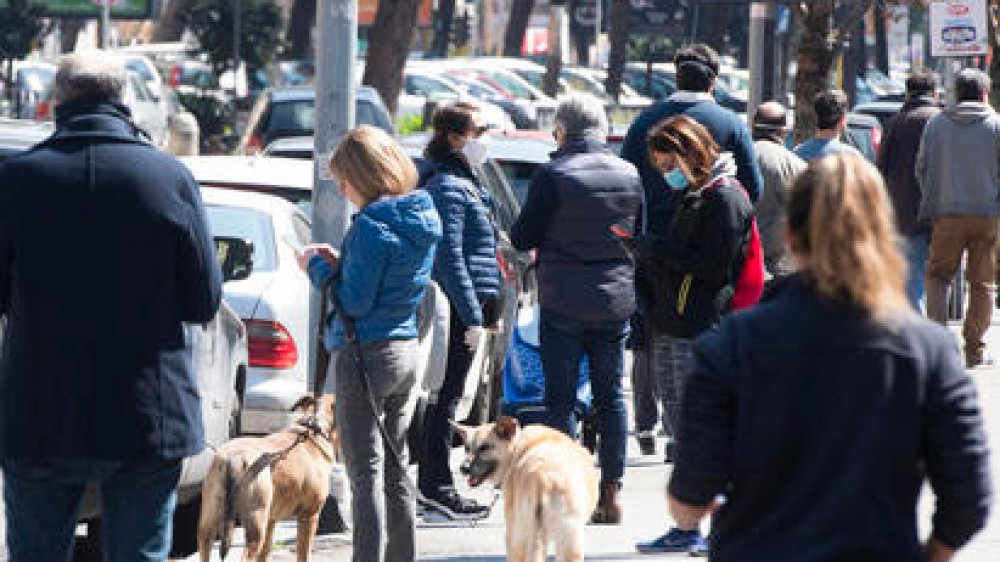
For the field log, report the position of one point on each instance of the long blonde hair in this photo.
(843, 230)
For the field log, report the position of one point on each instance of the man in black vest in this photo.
(586, 286)
(104, 253)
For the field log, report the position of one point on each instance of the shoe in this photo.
(453, 506)
(675, 540)
(609, 511)
(647, 443)
(701, 549)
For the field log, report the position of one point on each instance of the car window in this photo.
(292, 117)
(423, 86)
(505, 205)
(140, 68)
(519, 176)
(510, 84)
(248, 224)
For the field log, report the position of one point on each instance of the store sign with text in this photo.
(958, 28)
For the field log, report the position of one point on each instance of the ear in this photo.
(307, 404)
(462, 431)
(506, 427)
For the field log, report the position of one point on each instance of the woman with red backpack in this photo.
(707, 263)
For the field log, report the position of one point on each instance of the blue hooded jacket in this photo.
(385, 266)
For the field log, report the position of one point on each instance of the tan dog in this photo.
(295, 485)
(549, 483)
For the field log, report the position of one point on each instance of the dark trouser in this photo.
(380, 498)
(435, 470)
(42, 500)
(564, 341)
(645, 400)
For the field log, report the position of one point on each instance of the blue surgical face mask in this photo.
(676, 179)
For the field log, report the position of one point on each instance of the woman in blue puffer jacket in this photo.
(467, 271)
(379, 278)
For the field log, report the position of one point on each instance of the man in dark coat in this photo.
(897, 161)
(104, 253)
(586, 283)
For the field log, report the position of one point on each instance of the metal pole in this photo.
(597, 33)
(336, 51)
(763, 30)
(105, 24)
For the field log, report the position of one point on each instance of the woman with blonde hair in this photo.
(378, 279)
(818, 414)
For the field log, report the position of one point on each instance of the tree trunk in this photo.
(819, 47)
(619, 28)
(442, 28)
(389, 43)
(170, 26)
(300, 26)
(881, 39)
(517, 24)
(553, 61)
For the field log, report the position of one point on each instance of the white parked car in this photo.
(273, 300)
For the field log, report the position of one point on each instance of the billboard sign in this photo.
(120, 9)
(958, 28)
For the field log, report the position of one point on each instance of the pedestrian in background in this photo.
(897, 161)
(959, 175)
(819, 413)
(687, 276)
(697, 71)
(466, 268)
(379, 277)
(830, 108)
(104, 253)
(779, 166)
(586, 284)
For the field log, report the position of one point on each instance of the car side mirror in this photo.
(235, 257)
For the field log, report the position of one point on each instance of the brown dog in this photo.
(549, 484)
(295, 485)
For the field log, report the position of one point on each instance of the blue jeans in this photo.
(43, 499)
(564, 341)
(916, 248)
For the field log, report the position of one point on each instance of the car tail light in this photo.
(254, 144)
(42, 111)
(270, 345)
(877, 138)
(175, 76)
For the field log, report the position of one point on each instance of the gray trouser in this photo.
(670, 362)
(381, 502)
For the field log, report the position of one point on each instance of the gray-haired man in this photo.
(104, 253)
(586, 286)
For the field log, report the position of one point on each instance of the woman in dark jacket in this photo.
(819, 413)
(685, 278)
(467, 271)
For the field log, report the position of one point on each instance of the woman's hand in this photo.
(325, 251)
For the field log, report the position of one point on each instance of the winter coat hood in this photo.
(969, 112)
(411, 216)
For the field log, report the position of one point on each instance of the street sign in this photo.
(958, 28)
(120, 9)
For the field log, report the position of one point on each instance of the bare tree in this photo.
(300, 26)
(553, 61)
(389, 42)
(821, 42)
(170, 26)
(619, 28)
(517, 24)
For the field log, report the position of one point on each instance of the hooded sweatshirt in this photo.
(957, 165)
(384, 268)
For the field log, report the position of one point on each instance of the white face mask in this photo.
(475, 151)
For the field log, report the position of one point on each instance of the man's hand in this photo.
(937, 551)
